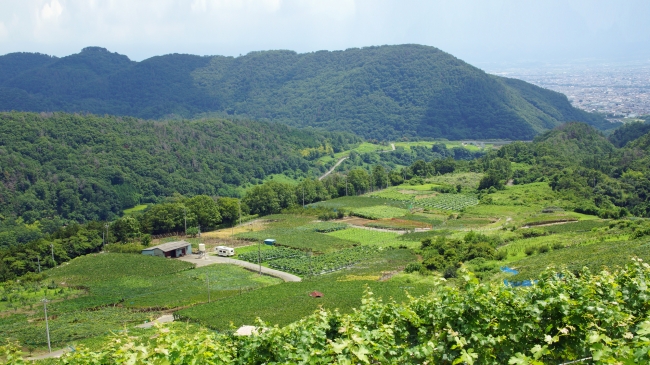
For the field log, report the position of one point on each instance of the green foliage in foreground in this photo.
(561, 318)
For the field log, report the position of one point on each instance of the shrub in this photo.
(501, 255)
(414, 267)
(543, 249)
(124, 247)
(450, 272)
(558, 246)
(529, 233)
(529, 251)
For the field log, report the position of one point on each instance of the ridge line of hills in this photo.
(382, 93)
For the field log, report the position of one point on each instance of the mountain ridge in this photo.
(384, 92)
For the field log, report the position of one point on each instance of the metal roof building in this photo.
(169, 249)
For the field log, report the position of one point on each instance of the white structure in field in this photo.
(225, 251)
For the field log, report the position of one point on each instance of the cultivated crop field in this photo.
(379, 212)
(120, 290)
(367, 237)
(451, 202)
(322, 264)
(287, 302)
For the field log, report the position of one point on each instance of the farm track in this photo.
(398, 231)
(333, 168)
(211, 260)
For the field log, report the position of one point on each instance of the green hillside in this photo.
(86, 167)
(383, 92)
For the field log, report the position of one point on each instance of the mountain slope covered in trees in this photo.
(383, 92)
(90, 168)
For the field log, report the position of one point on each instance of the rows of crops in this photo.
(323, 264)
(323, 227)
(392, 195)
(272, 254)
(453, 202)
(595, 318)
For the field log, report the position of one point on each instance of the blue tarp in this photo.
(515, 283)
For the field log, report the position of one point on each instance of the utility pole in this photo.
(303, 195)
(185, 218)
(47, 325)
(38, 259)
(239, 201)
(346, 185)
(106, 226)
(52, 249)
(207, 278)
(259, 255)
(311, 273)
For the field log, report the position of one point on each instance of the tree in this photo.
(395, 177)
(125, 229)
(379, 176)
(229, 209)
(359, 180)
(206, 211)
(262, 200)
(166, 217)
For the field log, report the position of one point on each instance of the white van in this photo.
(225, 251)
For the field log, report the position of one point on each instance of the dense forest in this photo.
(85, 167)
(386, 92)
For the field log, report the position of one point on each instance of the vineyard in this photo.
(120, 289)
(270, 254)
(378, 212)
(323, 264)
(452, 202)
(601, 317)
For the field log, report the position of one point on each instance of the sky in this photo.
(480, 32)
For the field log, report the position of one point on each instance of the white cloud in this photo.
(4, 33)
(470, 29)
(52, 10)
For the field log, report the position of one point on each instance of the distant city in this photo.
(618, 91)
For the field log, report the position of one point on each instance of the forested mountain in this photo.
(383, 92)
(629, 132)
(86, 167)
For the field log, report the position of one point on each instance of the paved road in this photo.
(210, 260)
(49, 355)
(333, 168)
(163, 319)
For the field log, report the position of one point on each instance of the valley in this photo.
(400, 236)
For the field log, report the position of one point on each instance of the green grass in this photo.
(424, 187)
(365, 236)
(379, 212)
(281, 178)
(137, 208)
(288, 302)
(352, 202)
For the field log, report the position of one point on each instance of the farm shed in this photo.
(169, 249)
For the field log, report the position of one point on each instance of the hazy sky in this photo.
(478, 31)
